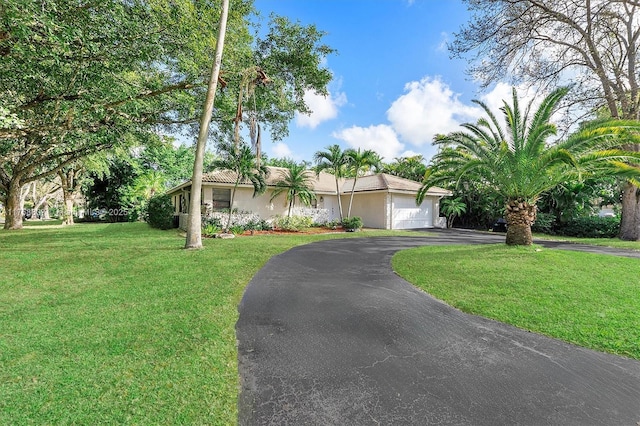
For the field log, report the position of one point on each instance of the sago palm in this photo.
(520, 164)
(241, 160)
(294, 182)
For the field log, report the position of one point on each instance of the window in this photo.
(221, 199)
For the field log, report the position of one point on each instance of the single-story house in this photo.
(381, 200)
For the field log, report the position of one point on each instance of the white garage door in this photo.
(406, 215)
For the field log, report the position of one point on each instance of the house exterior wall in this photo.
(263, 207)
(378, 209)
(369, 206)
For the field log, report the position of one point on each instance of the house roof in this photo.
(325, 182)
(386, 182)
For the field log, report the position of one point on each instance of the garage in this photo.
(406, 215)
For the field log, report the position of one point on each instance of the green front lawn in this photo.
(115, 323)
(591, 300)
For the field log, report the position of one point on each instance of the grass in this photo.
(605, 242)
(115, 323)
(588, 299)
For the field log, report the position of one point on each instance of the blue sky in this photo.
(394, 84)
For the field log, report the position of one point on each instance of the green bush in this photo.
(544, 223)
(352, 223)
(210, 229)
(293, 223)
(590, 227)
(237, 229)
(160, 212)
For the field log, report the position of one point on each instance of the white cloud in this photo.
(323, 108)
(503, 92)
(428, 107)
(444, 40)
(381, 139)
(281, 150)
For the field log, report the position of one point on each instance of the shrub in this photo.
(236, 229)
(352, 223)
(160, 212)
(210, 229)
(293, 223)
(544, 223)
(591, 227)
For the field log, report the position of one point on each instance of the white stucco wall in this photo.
(369, 206)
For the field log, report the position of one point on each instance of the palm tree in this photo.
(335, 161)
(295, 182)
(452, 207)
(520, 165)
(241, 160)
(149, 184)
(359, 161)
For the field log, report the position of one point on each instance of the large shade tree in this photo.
(79, 78)
(82, 77)
(520, 163)
(592, 43)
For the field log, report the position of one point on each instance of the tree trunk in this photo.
(630, 221)
(12, 209)
(520, 215)
(353, 189)
(194, 221)
(339, 200)
(233, 196)
(67, 213)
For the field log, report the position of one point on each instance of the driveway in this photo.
(329, 335)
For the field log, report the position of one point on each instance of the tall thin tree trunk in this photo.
(194, 222)
(233, 196)
(339, 200)
(353, 189)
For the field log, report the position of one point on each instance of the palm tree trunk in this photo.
(339, 200)
(520, 215)
(353, 189)
(630, 222)
(194, 223)
(233, 196)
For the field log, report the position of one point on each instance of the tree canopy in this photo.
(77, 78)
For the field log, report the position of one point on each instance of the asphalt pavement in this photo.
(328, 334)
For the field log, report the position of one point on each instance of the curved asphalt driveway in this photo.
(329, 335)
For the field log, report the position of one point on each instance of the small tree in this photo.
(452, 207)
(295, 182)
(241, 160)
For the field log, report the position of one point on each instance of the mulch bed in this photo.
(314, 230)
